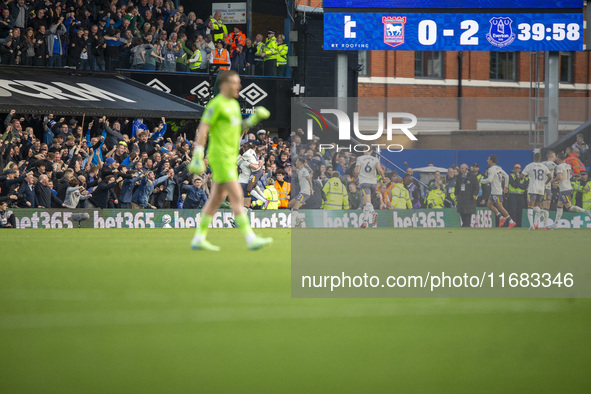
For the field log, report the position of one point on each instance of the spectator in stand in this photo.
(141, 197)
(75, 193)
(102, 193)
(186, 53)
(249, 52)
(27, 196)
(580, 144)
(354, 196)
(6, 23)
(196, 196)
(238, 59)
(170, 53)
(7, 54)
(6, 220)
(55, 43)
(413, 190)
(75, 46)
(20, 13)
(29, 47)
(41, 50)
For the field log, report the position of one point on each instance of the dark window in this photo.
(567, 67)
(429, 64)
(503, 66)
(363, 60)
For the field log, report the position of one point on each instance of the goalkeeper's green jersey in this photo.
(225, 120)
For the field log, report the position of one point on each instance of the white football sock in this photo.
(538, 213)
(365, 213)
(558, 215)
(530, 216)
(574, 208)
(546, 215)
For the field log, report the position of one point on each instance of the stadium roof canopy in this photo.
(32, 90)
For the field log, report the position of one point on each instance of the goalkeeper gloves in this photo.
(197, 165)
(260, 113)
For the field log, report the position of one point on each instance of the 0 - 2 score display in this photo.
(446, 31)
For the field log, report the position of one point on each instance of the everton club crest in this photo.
(393, 30)
(500, 34)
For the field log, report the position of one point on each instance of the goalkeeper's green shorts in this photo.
(223, 170)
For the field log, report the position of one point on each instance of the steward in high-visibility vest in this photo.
(195, 60)
(450, 194)
(283, 189)
(219, 31)
(270, 51)
(282, 50)
(271, 194)
(336, 193)
(235, 38)
(220, 55)
(517, 198)
(435, 199)
(259, 68)
(583, 186)
(400, 197)
(516, 184)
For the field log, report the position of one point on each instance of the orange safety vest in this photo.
(283, 193)
(221, 56)
(233, 38)
(575, 163)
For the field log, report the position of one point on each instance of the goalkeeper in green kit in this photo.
(222, 121)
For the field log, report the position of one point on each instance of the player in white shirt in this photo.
(367, 168)
(306, 190)
(550, 163)
(539, 176)
(248, 163)
(563, 175)
(498, 180)
(253, 186)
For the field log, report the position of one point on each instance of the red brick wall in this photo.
(476, 66)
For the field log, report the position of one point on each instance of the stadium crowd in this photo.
(147, 35)
(51, 162)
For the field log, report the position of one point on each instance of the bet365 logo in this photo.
(394, 122)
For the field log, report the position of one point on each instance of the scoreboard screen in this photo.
(499, 4)
(498, 31)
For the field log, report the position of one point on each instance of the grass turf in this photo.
(137, 311)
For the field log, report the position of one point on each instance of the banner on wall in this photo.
(232, 13)
(187, 218)
(272, 93)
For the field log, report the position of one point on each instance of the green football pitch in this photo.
(137, 311)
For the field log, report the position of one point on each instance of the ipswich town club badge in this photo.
(393, 30)
(500, 34)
